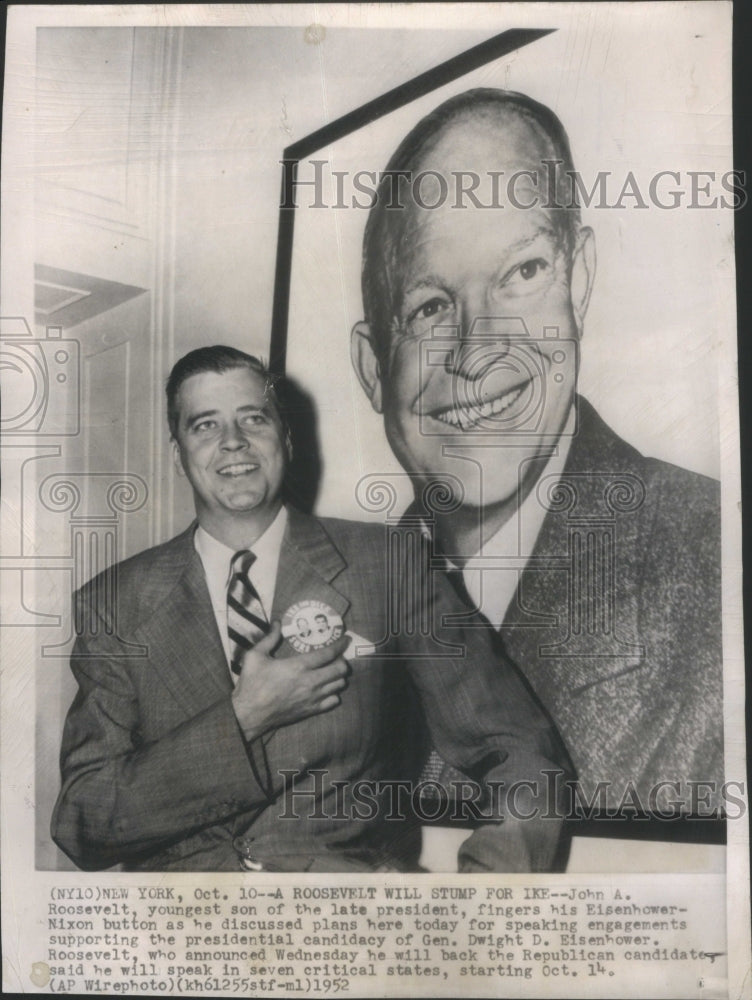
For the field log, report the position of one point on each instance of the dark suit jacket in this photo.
(617, 621)
(156, 772)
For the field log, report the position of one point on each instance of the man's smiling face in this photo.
(474, 358)
(231, 444)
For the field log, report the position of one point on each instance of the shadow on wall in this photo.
(304, 474)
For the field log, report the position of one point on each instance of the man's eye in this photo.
(254, 419)
(531, 277)
(430, 309)
(531, 268)
(203, 426)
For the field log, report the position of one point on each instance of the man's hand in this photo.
(272, 693)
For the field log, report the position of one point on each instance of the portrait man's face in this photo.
(498, 282)
(231, 445)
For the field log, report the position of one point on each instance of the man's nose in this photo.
(232, 438)
(483, 340)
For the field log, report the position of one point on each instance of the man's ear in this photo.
(176, 456)
(583, 275)
(366, 363)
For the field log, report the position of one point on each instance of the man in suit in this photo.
(600, 568)
(204, 738)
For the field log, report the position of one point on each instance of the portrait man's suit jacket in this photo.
(616, 621)
(156, 772)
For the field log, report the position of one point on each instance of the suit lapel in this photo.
(182, 632)
(574, 619)
(308, 563)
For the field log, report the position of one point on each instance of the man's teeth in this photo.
(468, 416)
(237, 470)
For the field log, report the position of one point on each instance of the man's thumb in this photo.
(271, 640)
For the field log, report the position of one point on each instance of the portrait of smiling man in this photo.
(495, 281)
(211, 731)
(598, 567)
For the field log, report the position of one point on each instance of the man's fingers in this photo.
(331, 701)
(336, 670)
(332, 687)
(316, 658)
(271, 640)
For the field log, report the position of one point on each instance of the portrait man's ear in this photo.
(583, 274)
(366, 363)
(176, 457)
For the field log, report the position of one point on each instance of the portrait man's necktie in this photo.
(246, 620)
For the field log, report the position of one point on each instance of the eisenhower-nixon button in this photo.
(311, 624)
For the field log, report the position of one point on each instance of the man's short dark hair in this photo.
(386, 222)
(218, 359)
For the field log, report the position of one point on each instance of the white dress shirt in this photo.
(216, 559)
(506, 554)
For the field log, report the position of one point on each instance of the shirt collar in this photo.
(267, 547)
(216, 557)
(518, 535)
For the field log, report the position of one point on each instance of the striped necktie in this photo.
(246, 620)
